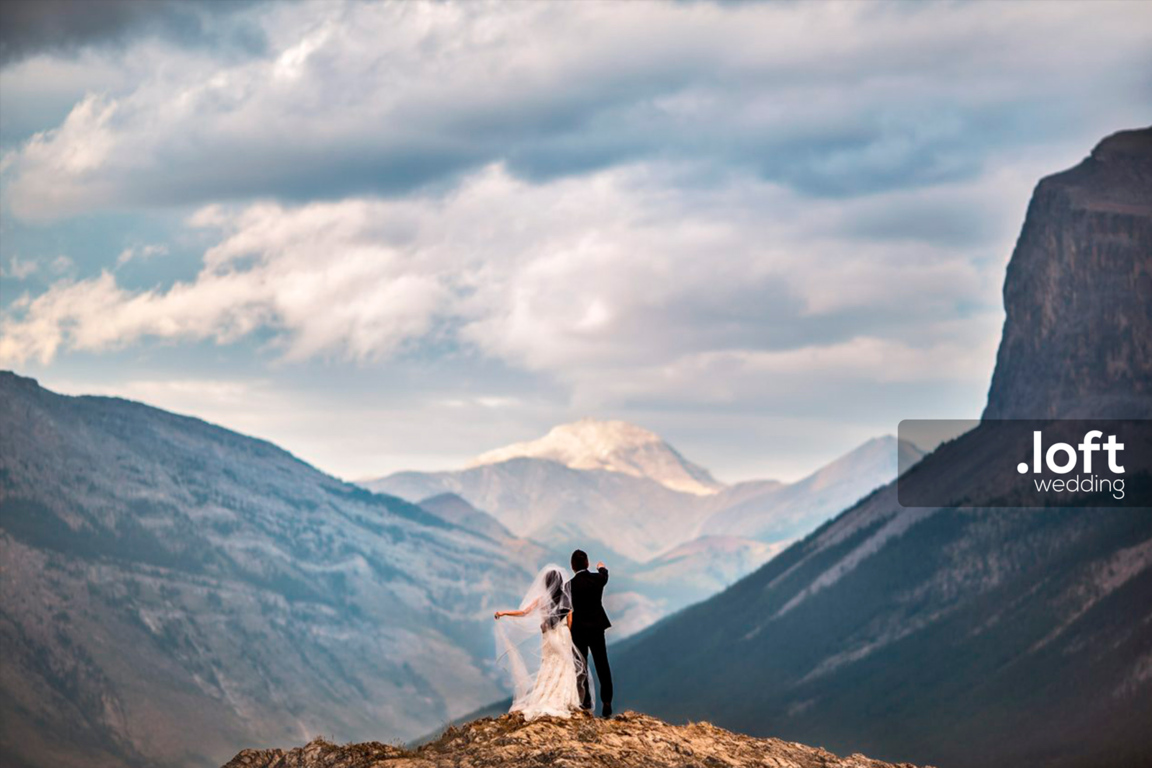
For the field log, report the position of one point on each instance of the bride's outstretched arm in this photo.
(521, 612)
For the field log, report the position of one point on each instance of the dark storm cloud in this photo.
(29, 27)
(833, 102)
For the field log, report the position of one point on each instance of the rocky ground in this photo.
(626, 741)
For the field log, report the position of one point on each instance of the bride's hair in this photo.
(557, 609)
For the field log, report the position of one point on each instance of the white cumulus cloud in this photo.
(603, 281)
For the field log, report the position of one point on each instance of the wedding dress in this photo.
(537, 650)
(554, 691)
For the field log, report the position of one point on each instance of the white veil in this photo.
(520, 639)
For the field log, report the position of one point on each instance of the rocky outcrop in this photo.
(629, 740)
(1077, 339)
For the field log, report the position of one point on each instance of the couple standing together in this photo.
(546, 650)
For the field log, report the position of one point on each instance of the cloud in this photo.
(827, 99)
(751, 224)
(19, 269)
(140, 253)
(31, 27)
(361, 306)
(62, 264)
(615, 284)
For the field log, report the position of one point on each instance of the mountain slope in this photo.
(701, 567)
(454, 509)
(783, 512)
(172, 590)
(629, 740)
(964, 637)
(616, 513)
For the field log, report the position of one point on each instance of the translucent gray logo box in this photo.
(1027, 463)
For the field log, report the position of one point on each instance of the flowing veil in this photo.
(520, 640)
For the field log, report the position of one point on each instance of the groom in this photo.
(588, 624)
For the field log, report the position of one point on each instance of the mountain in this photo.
(638, 524)
(172, 591)
(455, 510)
(616, 517)
(702, 567)
(1078, 333)
(975, 636)
(621, 515)
(450, 507)
(629, 740)
(614, 446)
(783, 512)
(590, 484)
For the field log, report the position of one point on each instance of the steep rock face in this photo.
(964, 637)
(626, 741)
(172, 591)
(1077, 339)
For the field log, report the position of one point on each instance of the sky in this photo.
(394, 236)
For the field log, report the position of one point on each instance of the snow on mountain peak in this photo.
(613, 446)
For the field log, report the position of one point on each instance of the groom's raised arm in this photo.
(602, 570)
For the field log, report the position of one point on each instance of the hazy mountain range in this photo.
(673, 533)
(172, 591)
(966, 637)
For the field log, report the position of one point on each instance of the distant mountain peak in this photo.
(613, 446)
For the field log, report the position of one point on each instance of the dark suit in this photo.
(588, 624)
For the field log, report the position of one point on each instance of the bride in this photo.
(537, 649)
